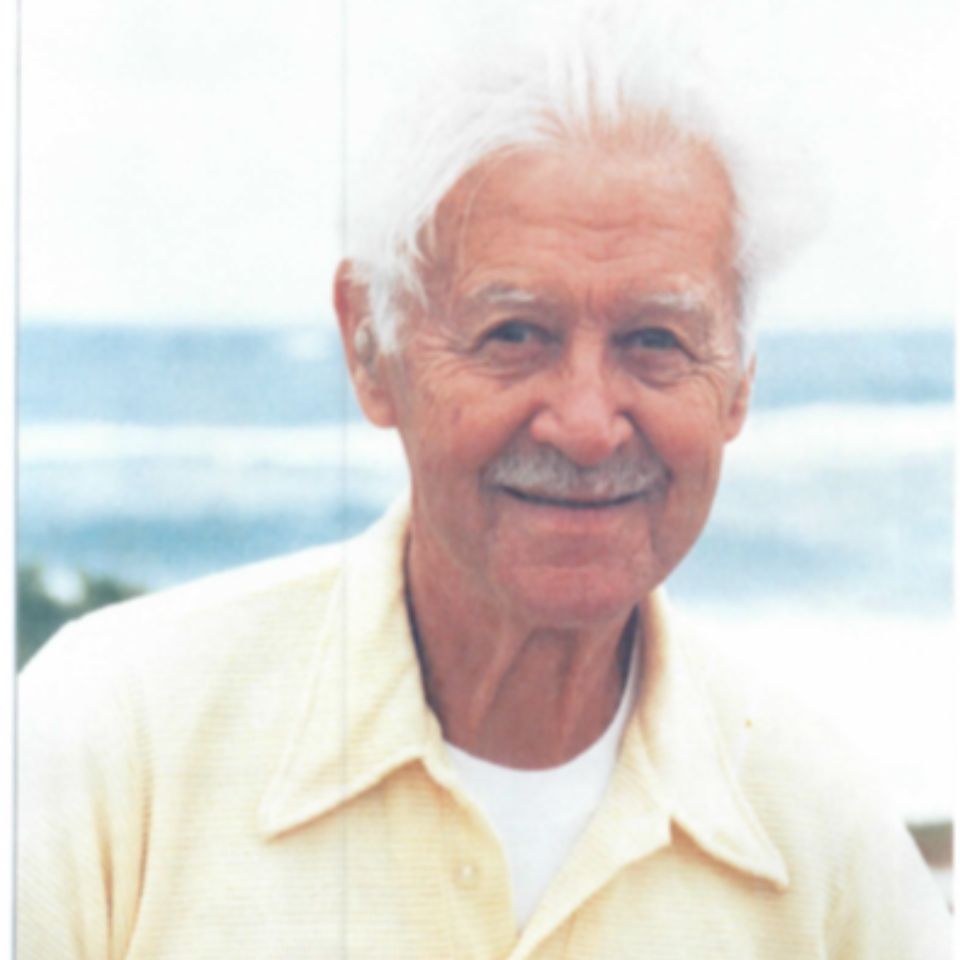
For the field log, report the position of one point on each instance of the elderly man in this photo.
(477, 730)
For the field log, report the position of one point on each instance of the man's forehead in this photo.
(583, 229)
(595, 193)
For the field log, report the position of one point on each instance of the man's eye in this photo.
(515, 331)
(653, 338)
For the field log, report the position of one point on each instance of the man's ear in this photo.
(364, 360)
(740, 402)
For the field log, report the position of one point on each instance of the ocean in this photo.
(159, 455)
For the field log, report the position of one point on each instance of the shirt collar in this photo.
(364, 715)
(675, 735)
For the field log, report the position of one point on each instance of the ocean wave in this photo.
(354, 445)
(815, 436)
(818, 436)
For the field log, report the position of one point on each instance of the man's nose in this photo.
(582, 414)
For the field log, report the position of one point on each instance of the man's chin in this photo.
(575, 597)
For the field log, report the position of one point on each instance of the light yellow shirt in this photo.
(246, 768)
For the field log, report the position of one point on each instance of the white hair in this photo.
(558, 72)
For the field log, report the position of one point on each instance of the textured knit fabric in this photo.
(247, 768)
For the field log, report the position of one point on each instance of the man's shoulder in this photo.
(259, 602)
(216, 633)
(233, 642)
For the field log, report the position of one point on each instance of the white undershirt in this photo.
(538, 814)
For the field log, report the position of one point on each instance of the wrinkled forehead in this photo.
(667, 192)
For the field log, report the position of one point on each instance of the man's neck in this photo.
(519, 694)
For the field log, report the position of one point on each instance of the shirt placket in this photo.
(475, 897)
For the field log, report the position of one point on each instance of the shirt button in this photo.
(467, 875)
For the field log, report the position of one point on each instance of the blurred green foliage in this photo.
(40, 612)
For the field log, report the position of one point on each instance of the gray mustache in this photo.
(545, 471)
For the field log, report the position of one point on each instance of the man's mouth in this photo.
(543, 476)
(570, 502)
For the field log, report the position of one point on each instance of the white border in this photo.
(9, 172)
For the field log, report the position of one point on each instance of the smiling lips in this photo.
(574, 503)
(544, 476)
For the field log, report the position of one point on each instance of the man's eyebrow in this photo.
(640, 306)
(681, 301)
(502, 295)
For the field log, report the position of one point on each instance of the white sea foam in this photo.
(814, 436)
(356, 445)
(308, 345)
(828, 435)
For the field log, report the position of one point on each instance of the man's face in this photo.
(565, 397)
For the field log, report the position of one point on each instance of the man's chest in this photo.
(405, 871)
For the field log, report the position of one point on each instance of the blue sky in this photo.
(180, 160)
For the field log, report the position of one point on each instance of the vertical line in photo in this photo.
(342, 213)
